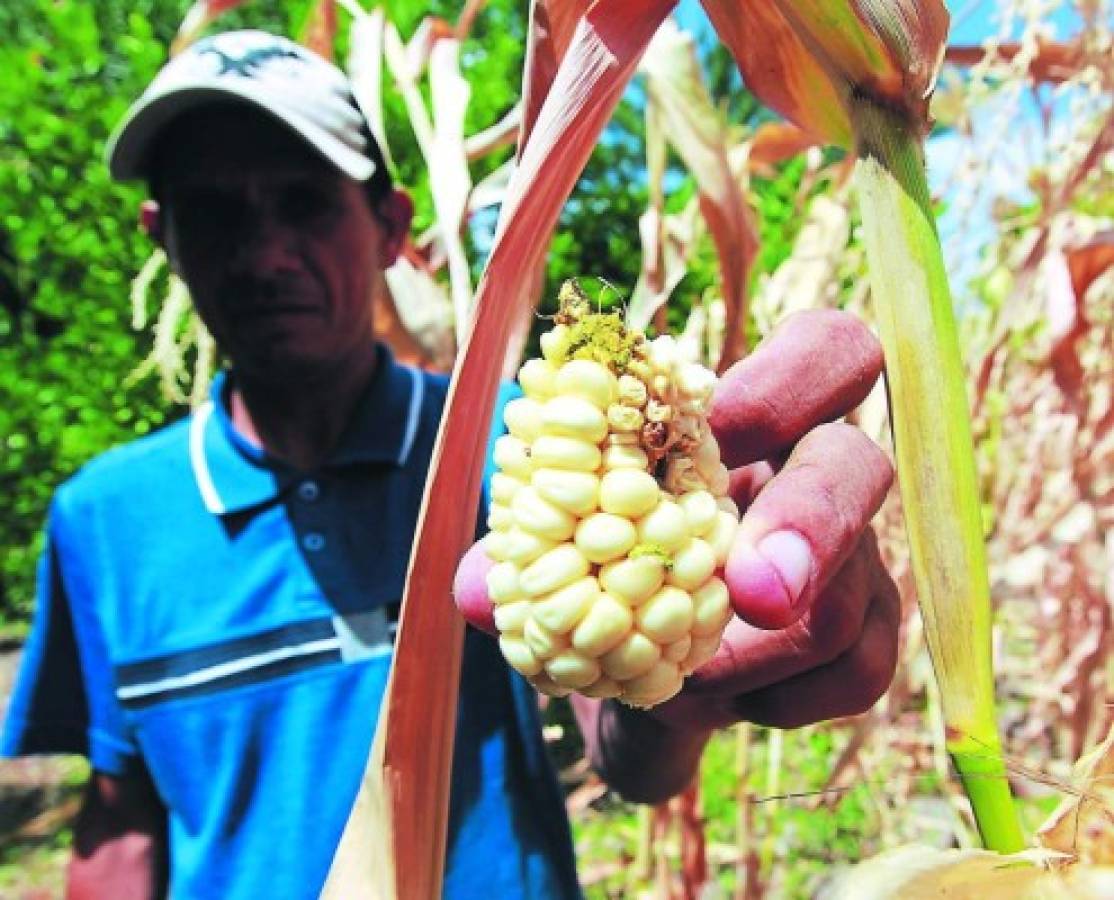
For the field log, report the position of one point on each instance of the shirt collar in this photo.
(234, 474)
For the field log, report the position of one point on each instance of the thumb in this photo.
(470, 589)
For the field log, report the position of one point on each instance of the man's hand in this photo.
(120, 843)
(817, 628)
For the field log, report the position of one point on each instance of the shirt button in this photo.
(314, 542)
(309, 491)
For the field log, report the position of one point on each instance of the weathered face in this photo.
(280, 250)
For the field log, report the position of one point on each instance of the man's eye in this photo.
(304, 203)
(214, 207)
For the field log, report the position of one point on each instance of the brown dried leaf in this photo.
(1083, 826)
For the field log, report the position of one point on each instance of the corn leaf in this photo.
(421, 306)
(397, 830)
(775, 142)
(365, 70)
(674, 84)
(441, 142)
(320, 29)
(779, 69)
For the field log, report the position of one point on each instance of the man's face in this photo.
(280, 250)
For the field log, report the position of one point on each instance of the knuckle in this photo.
(872, 674)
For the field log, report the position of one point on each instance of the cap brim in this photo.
(129, 147)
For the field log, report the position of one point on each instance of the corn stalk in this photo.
(935, 457)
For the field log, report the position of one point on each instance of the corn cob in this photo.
(610, 520)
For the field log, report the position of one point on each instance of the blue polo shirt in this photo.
(227, 621)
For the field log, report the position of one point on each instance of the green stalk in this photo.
(935, 454)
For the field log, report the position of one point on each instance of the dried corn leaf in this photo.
(1083, 826)
(674, 84)
(396, 834)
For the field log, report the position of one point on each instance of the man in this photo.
(214, 622)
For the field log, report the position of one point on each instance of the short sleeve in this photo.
(64, 699)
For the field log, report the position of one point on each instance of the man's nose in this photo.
(265, 243)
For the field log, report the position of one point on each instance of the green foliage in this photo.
(67, 72)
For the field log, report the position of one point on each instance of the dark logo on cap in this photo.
(248, 63)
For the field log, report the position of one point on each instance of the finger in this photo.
(815, 367)
(745, 482)
(849, 685)
(470, 589)
(805, 522)
(751, 658)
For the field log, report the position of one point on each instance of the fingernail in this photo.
(768, 579)
(789, 554)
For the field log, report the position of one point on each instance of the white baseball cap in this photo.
(282, 78)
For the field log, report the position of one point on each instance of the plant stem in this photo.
(935, 455)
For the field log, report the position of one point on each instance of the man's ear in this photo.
(150, 220)
(395, 212)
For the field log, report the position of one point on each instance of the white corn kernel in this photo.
(635, 655)
(664, 526)
(606, 623)
(678, 650)
(602, 537)
(722, 536)
(633, 580)
(574, 417)
(663, 353)
(572, 670)
(510, 618)
(502, 583)
(562, 609)
(538, 379)
(700, 510)
(497, 545)
(553, 569)
(666, 616)
(654, 686)
(552, 452)
(541, 641)
(693, 564)
(632, 391)
(628, 492)
(719, 481)
(656, 411)
(681, 476)
(696, 382)
(524, 418)
(588, 379)
(520, 657)
(555, 343)
(522, 547)
(504, 487)
(533, 513)
(548, 686)
(711, 604)
(624, 418)
(703, 649)
(577, 492)
(512, 455)
(707, 452)
(640, 370)
(602, 689)
(625, 457)
(498, 517)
